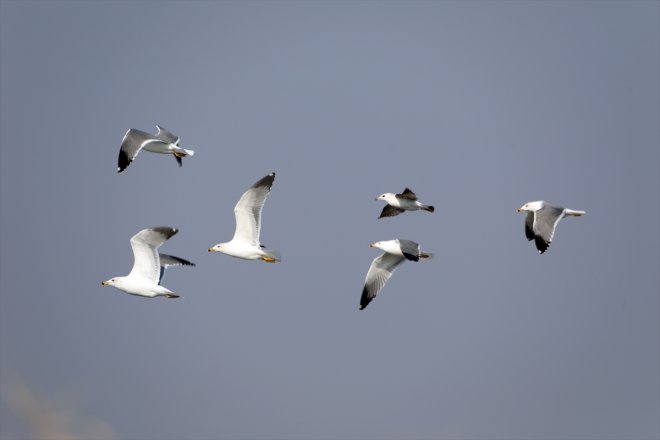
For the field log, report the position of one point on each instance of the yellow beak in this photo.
(372, 245)
(518, 209)
(104, 283)
(210, 249)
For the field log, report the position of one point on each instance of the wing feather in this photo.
(407, 194)
(545, 222)
(248, 210)
(380, 271)
(166, 136)
(145, 246)
(133, 141)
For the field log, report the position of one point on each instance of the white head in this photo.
(531, 206)
(386, 197)
(218, 247)
(386, 245)
(116, 281)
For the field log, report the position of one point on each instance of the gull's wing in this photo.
(166, 136)
(134, 140)
(145, 244)
(390, 211)
(380, 271)
(545, 221)
(529, 226)
(170, 260)
(407, 194)
(248, 210)
(409, 249)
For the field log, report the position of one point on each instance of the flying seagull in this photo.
(397, 203)
(541, 221)
(162, 142)
(381, 269)
(144, 279)
(245, 243)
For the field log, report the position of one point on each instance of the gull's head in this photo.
(385, 196)
(531, 206)
(377, 245)
(217, 248)
(110, 282)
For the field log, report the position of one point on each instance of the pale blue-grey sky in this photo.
(476, 106)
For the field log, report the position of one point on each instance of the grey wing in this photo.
(166, 136)
(407, 194)
(390, 211)
(131, 145)
(529, 226)
(248, 210)
(380, 271)
(145, 246)
(410, 249)
(545, 222)
(170, 260)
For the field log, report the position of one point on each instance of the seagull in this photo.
(245, 243)
(397, 203)
(148, 269)
(162, 142)
(381, 269)
(541, 221)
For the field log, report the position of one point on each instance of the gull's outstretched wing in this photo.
(390, 211)
(407, 194)
(170, 260)
(167, 136)
(409, 249)
(134, 140)
(380, 271)
(545, 221)
(145, 244)
(248, 210)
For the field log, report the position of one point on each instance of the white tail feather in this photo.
(568, 212)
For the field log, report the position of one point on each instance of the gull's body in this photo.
(144, 279)
(398, 203)
(395, 252)
(541, 222)
(245, 243)
(162, 142)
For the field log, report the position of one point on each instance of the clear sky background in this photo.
(478, 107)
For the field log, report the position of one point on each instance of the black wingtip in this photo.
(364, 299)
(411, 257)
(123, 162)
(541, 244)
(266, 181)
(430, 208)
(179, 160)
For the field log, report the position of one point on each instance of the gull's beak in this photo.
(210, 249)
(372, 245)
(375, 198)
(519, 209)
(104, 283)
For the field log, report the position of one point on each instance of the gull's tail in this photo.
(180, 153)
(568, 212)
